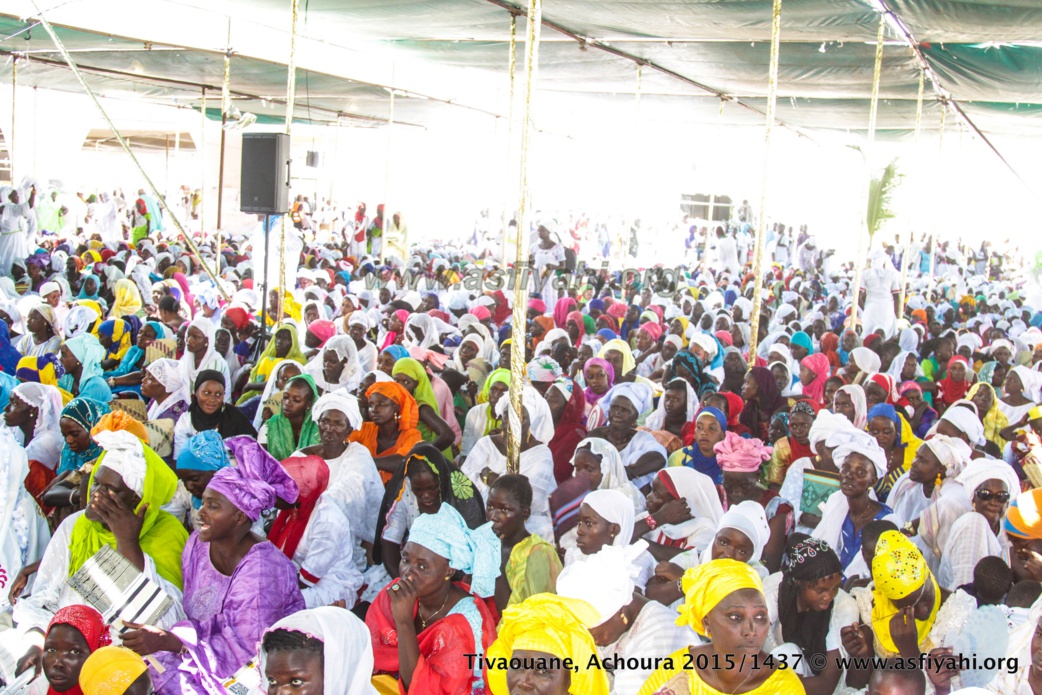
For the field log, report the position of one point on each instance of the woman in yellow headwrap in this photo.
(994, 420)
(128, 300)
(678, 327)
(723, 601)
(283, 345)
(905, 589)
(542, 632)
(114, 671)
(290, 307)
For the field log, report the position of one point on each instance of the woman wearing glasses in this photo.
(991, 485)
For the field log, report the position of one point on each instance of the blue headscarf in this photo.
(86, 413)
(204, 451)
(130, 361)
(9, 355)
(608, 334)
(397, 352)
(889, 412)
(692, 457)
(83, 287)
(477, 553)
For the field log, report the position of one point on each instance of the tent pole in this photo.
(388, 215)
(518, 325)
(202, 165)
(126, 148)
(872, 115)
(225, 99)
(512, 69)
(940, 165)
(291, 98)
(761, 226)
(712, 195)
(908, 239)
(14, 92)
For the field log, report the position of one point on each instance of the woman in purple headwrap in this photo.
(236, 583)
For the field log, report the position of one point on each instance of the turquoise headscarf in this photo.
(86, 413)
(83, 288)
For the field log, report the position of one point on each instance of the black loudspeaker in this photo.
(264, 186)
(312, 160)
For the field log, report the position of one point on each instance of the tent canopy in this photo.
(442, 56)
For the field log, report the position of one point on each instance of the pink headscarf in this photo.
(819, 364)
(322, 329)
(481, 312)
(738, 455)
(617, 310)
(725, 337)
(652, 329)
(561, 310)
(537, 304)
(434, 359)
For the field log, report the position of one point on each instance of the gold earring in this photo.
(939, 480)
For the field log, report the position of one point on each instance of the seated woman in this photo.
(116, 337)
(115, 671)
(710, 429)
(424, 623)
(164, 389)
(537, 629)
(336, 366)
(391, 432)
(741, 461)
(411, 375)
(293, 428)
(127, 488)
(762, 401)
(31, 417)
(894, 435)
(530, 564)
(269, 403)
(693, 503)
(605, 518)
(355, 484)
(313, 534)
(23, 526)
(922, 416)
(325, 650)
(599, 377)
(825, 425)
(990, 415)
(481, 419)
(850, 402)
(202, 455)
(627, 625)
(488, 459)
(807, 610)
(282, 346)
(210, 411)
(77, 420)
(861, 463)
(641, 453)
(714, 593)
(200, 355)
(236, 583)
(1018, 390)
(424, 482)
(81, 358)
(991, 485)
(73, 634)
(42, 335)
(128, 372)
(567, 405)
(793, 447)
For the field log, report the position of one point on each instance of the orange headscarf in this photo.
(120, 420)
(548, 325)
(409, 417)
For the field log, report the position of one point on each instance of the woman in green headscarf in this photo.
(411, 376)
(283, 345)
(481, 419)
(292, 429)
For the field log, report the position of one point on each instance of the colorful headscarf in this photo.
(707, 585)
(311, 473)
(85, 412)
(110, 671)
(740, 455)
(127, 299)
(280, 440)
(818, 363)
(899, 570)
(118, 332)
(1024, 516)
(408, 410)
(476, 552)
(604, 364)
(89, 623)
(45, 369)
(628, 363)
(256, 481)
(543, 369)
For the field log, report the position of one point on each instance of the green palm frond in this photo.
(881, 198)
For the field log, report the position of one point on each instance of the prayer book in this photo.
(817, 487)
(111, 584)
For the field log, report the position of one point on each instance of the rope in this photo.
(291, 97)
(226, 98)
(636, 96)
(908, 239)
(872, 114)
(518, 325)
(761, 227)
(126, 148)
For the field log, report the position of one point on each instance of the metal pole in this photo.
(940, 167)
(873, 113)
(908, 239)
(202, 166)
(761, 226)
(518, 324)
(291, 98)
(14, 92)
(512, 66)
(388, 216)
(225, 104)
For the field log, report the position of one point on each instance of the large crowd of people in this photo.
(320, 479)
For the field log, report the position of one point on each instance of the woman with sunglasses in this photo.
(991, 485)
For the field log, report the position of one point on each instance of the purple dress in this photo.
(227, 616)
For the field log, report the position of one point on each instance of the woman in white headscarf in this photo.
(631, 627)
(367, 352)
(346, 652)
(991, 485)
(355, 485)
(167, 373)
(601, 461)
(425, 331)
(283, 371)
(24, 533)
(641, 453)
(861, 464)
(851, 403)
(933, 474)
(32, 417)
(336, 366)
(1015, 403)
(487, 460)
(79, 320)
(825, 425)
(606, 519)
(202, 333)
(698, 493)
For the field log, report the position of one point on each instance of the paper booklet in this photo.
(119, 591)
(817, 487)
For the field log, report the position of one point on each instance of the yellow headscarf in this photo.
(628, 363)
(110, 671)
(685, 323)
(128, 299)
(707, 585)
(553, 625)
(162, 536)
(995, 420)
(290, 306)
(899, 570)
